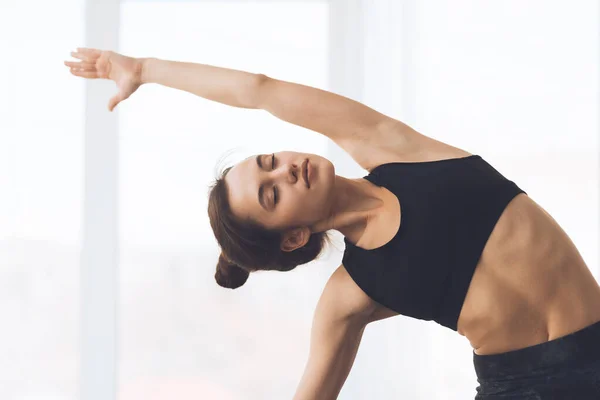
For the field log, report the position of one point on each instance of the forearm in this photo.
(228, 86)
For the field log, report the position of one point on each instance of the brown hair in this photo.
(247, 246)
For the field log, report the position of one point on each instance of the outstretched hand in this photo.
(105, 64)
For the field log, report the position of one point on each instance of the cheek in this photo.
(297, 207)
(312, 201)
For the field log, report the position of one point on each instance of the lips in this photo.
(305, 172)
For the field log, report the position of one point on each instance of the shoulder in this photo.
(394, 141)
(342, 298)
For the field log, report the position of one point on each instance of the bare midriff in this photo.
(531, 284)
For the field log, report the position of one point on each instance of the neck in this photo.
(355, 202)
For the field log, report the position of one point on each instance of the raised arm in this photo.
(337, 117)
(370, 137)
(364, 133)
(228, 86)
(353, 126)
(339, 321)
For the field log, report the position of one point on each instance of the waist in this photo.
(578, 349)
(502, 319)
(531, 284)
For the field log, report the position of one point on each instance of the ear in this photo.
(295, 239)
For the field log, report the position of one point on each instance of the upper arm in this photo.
(350, 124)
(338, 325)
(368, 136)
(328, 113)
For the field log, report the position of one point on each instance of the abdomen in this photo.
(531, 284)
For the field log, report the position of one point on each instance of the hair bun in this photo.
(230, 275)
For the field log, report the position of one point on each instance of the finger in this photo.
(83, 64)
(119, 97)
(85, 53)
(114, 102)
(84, 56)
(75, 54)
(89, 52)
(85, 74)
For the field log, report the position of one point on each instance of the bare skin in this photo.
(530, 286)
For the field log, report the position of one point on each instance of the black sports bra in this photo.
(449, 209)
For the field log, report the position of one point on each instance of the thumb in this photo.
(113, 102)
(116, 100)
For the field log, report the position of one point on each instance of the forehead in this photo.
(242, 184)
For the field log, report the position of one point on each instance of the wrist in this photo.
(143, 69)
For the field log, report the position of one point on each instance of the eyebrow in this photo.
(261, 189)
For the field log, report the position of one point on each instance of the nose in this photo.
(289, 172)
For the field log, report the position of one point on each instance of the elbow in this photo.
(247, 91)
(260, 78)
(257, 91)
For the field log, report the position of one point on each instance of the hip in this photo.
(564, 368)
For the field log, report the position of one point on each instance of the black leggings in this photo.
(561, 369)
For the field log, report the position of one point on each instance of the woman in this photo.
(432, 232)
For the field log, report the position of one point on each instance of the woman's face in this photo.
(271, 189)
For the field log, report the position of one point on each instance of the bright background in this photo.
(106, 254)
